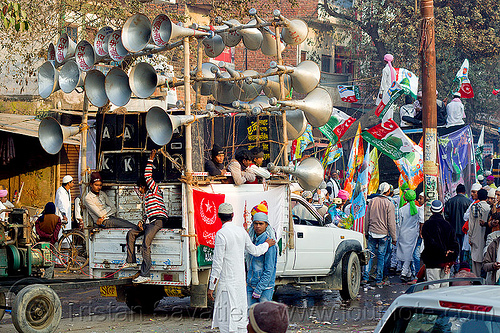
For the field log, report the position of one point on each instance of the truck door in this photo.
(313, 241)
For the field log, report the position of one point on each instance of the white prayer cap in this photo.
(396, 191)
(384, 187)
(67, 179)
(491, 193)
(457, 94)
(480, 178)
(225, 208)
(421, 194)
(475, 187)
(487, 173)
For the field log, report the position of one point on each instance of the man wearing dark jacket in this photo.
(215, 166)
(454, 211)
(440, 246)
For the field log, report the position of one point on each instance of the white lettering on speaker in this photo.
(127, 135)
(105, 165)
(127, 164)
(105, 133)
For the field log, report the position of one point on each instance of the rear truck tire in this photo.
(351, 276)
(142, 300)
(36, 309)
(3, 302)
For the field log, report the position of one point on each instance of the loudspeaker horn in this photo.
(232, 38)
(65, 48)
(70, 77)
(305, 76)
(164, 31)
(52, 135)
(317, 106)
(85, 56)
(101, 41)
(252, 37)
(295, 31)
(243, 90)
(223, 89)
(116, 50)
(117, 87)
(296, 124)
(261, 102)
(207, 87)
(268, 46)
(136, 32)
(214, 45)
(271, 84)
(48, 79)
(143, 80)
(161, 125)
(51, 52)
(94, 88)
(309, 172)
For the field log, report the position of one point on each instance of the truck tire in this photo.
(140, 301)
(36, 309)
(351, 276)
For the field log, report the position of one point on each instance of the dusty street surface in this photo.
(310, 311)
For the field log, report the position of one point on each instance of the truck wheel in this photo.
(351, 276)
(36, 309)
(140, 301)
(2, 303)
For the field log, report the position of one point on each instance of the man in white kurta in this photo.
(410, 218)
(388, 76)
(63, 202)
(228, 273)
(477, 228)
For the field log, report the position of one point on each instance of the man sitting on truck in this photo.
(100, 208)
(261, 274)
(239, 168)
(228, 272)
(155, 217)
(215, 166)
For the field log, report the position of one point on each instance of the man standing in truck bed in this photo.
(155, 216)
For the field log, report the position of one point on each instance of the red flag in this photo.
(206, 220)
(495, 91)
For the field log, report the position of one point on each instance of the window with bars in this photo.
(326, 61)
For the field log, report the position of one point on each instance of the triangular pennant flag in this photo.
(465, 88)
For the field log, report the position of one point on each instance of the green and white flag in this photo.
(479, 154)
(390, 140)
(406, 83)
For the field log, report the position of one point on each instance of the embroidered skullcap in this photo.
(457, 94)
(225, 208)
(475, 187)
(436, 206)
(66, 179)
(384, 187)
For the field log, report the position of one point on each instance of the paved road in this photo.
(310, 311)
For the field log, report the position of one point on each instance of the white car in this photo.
(460, 309)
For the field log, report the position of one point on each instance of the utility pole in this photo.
(429, 114)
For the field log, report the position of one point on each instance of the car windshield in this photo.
(420, 320)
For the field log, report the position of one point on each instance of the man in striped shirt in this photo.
(155, 215)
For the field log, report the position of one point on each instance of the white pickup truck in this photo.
(310, 253)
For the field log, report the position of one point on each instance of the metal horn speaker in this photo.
(70, 77)
(101, 41)
(136, 32)
(52, 135)
(51, 52)
(161, 126)
(271, 84)
(85, 56)
(214, 45)
(143, 80)
(48, 79)
(207, 87)
(268, 46)
(296, 124)
(117, 87)
(305, 76)
(295, 31)
(232, 38)
(65, 48)
(94, 88)
(252, 37)
(317, 106)
(309, 172)
(261, 102)
(242, 89)
(223, 89)
(164, 31)
(116, 50)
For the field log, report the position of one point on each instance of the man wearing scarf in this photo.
(47, 227)
(261, 271)
(409, 230)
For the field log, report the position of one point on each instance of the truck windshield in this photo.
(423, 320)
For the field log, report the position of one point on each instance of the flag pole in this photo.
(429, 114)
